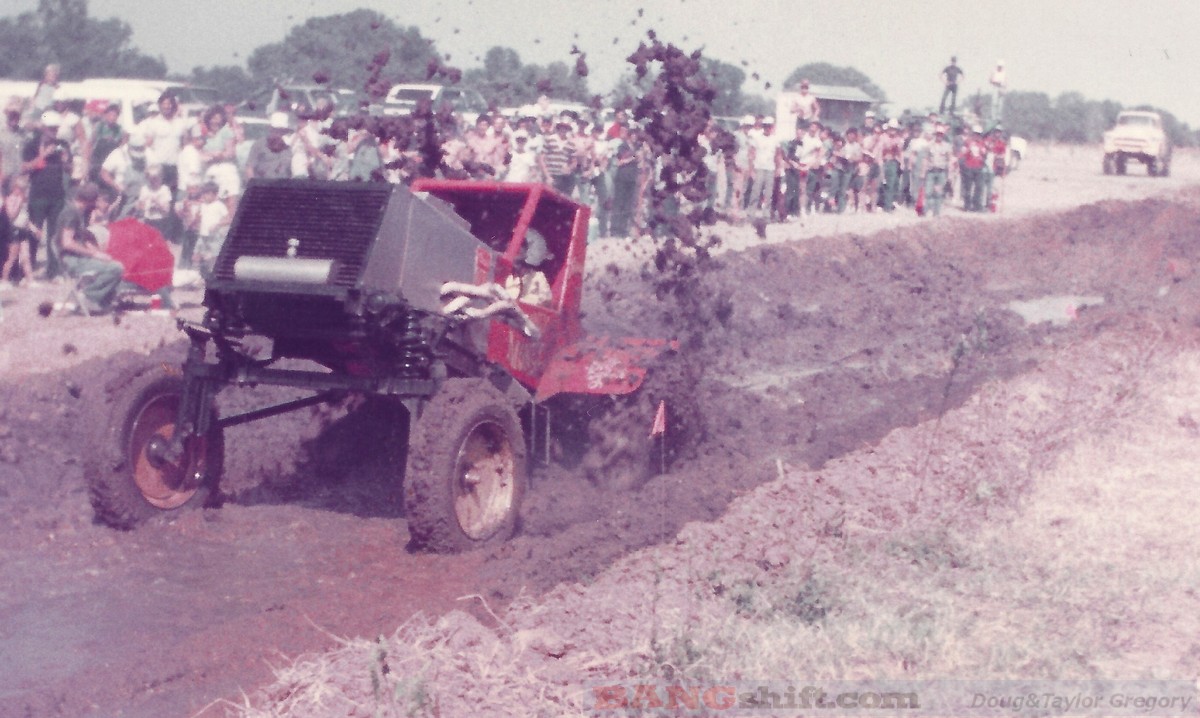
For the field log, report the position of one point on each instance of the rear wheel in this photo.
(127, 483)
(622, 454)
(465, 475)
(1120, 165)
(1108, 164)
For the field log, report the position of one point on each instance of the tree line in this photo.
(364, 50)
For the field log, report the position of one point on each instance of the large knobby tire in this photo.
(466, 474)
(622, 454)
(126, 487)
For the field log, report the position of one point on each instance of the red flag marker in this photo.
(660, 420)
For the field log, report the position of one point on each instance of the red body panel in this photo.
(561, 359)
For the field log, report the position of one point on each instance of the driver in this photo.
(528, 282)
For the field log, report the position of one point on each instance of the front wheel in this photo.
(465, 475)
(128, 484)
(1108, 164)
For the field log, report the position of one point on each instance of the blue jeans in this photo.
(935, 186)
(107, 277)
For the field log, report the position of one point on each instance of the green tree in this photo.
(1030, 115)
(507, 82)
(343, 50)
(727, 80)
(823, 73)
(60, 31)
(232, 83)
(1082, 121)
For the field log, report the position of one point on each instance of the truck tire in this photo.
(621, 454)
(466, 473)
(1121, 165)
(126, 489)
(1108, 164)
(1164, 167)
(1152, 167)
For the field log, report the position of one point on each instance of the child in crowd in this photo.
(189, 219)
(214, 218)
(24, 233)
(154, 200)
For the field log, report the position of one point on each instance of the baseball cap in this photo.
(748, 120)
(50, 118)
(279, 121)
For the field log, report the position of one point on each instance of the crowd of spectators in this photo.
(67, 169)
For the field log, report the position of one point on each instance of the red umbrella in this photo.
(144, 253)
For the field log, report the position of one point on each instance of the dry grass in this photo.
(1043, 530)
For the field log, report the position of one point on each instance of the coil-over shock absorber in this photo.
(413, 355)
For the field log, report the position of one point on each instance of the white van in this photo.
(21, 89)
(137, 98)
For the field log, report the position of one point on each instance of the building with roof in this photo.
(841, 106)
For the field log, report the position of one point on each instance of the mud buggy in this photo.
(408, 296)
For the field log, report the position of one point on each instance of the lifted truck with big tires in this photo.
(410, 297)
(1139, 136)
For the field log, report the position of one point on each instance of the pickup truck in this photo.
(1138, 135)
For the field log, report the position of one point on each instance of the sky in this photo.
(1130, 52)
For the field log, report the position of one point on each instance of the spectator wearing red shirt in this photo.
(889, 150)
(972, 158)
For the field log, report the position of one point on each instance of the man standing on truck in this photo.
(950, 75)
(999, 82)
(806, 107)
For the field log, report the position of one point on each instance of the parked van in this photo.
(137, 98)
(21, 89)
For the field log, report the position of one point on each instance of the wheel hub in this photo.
(485, 481)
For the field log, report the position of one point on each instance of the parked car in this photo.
(403, 99)
(290, 97)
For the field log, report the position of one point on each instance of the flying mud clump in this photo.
(674, 112)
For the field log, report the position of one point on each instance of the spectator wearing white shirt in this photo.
(164, 133)
(999, 82)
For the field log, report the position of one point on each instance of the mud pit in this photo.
(833, 342)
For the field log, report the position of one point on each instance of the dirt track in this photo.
(836, 339)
